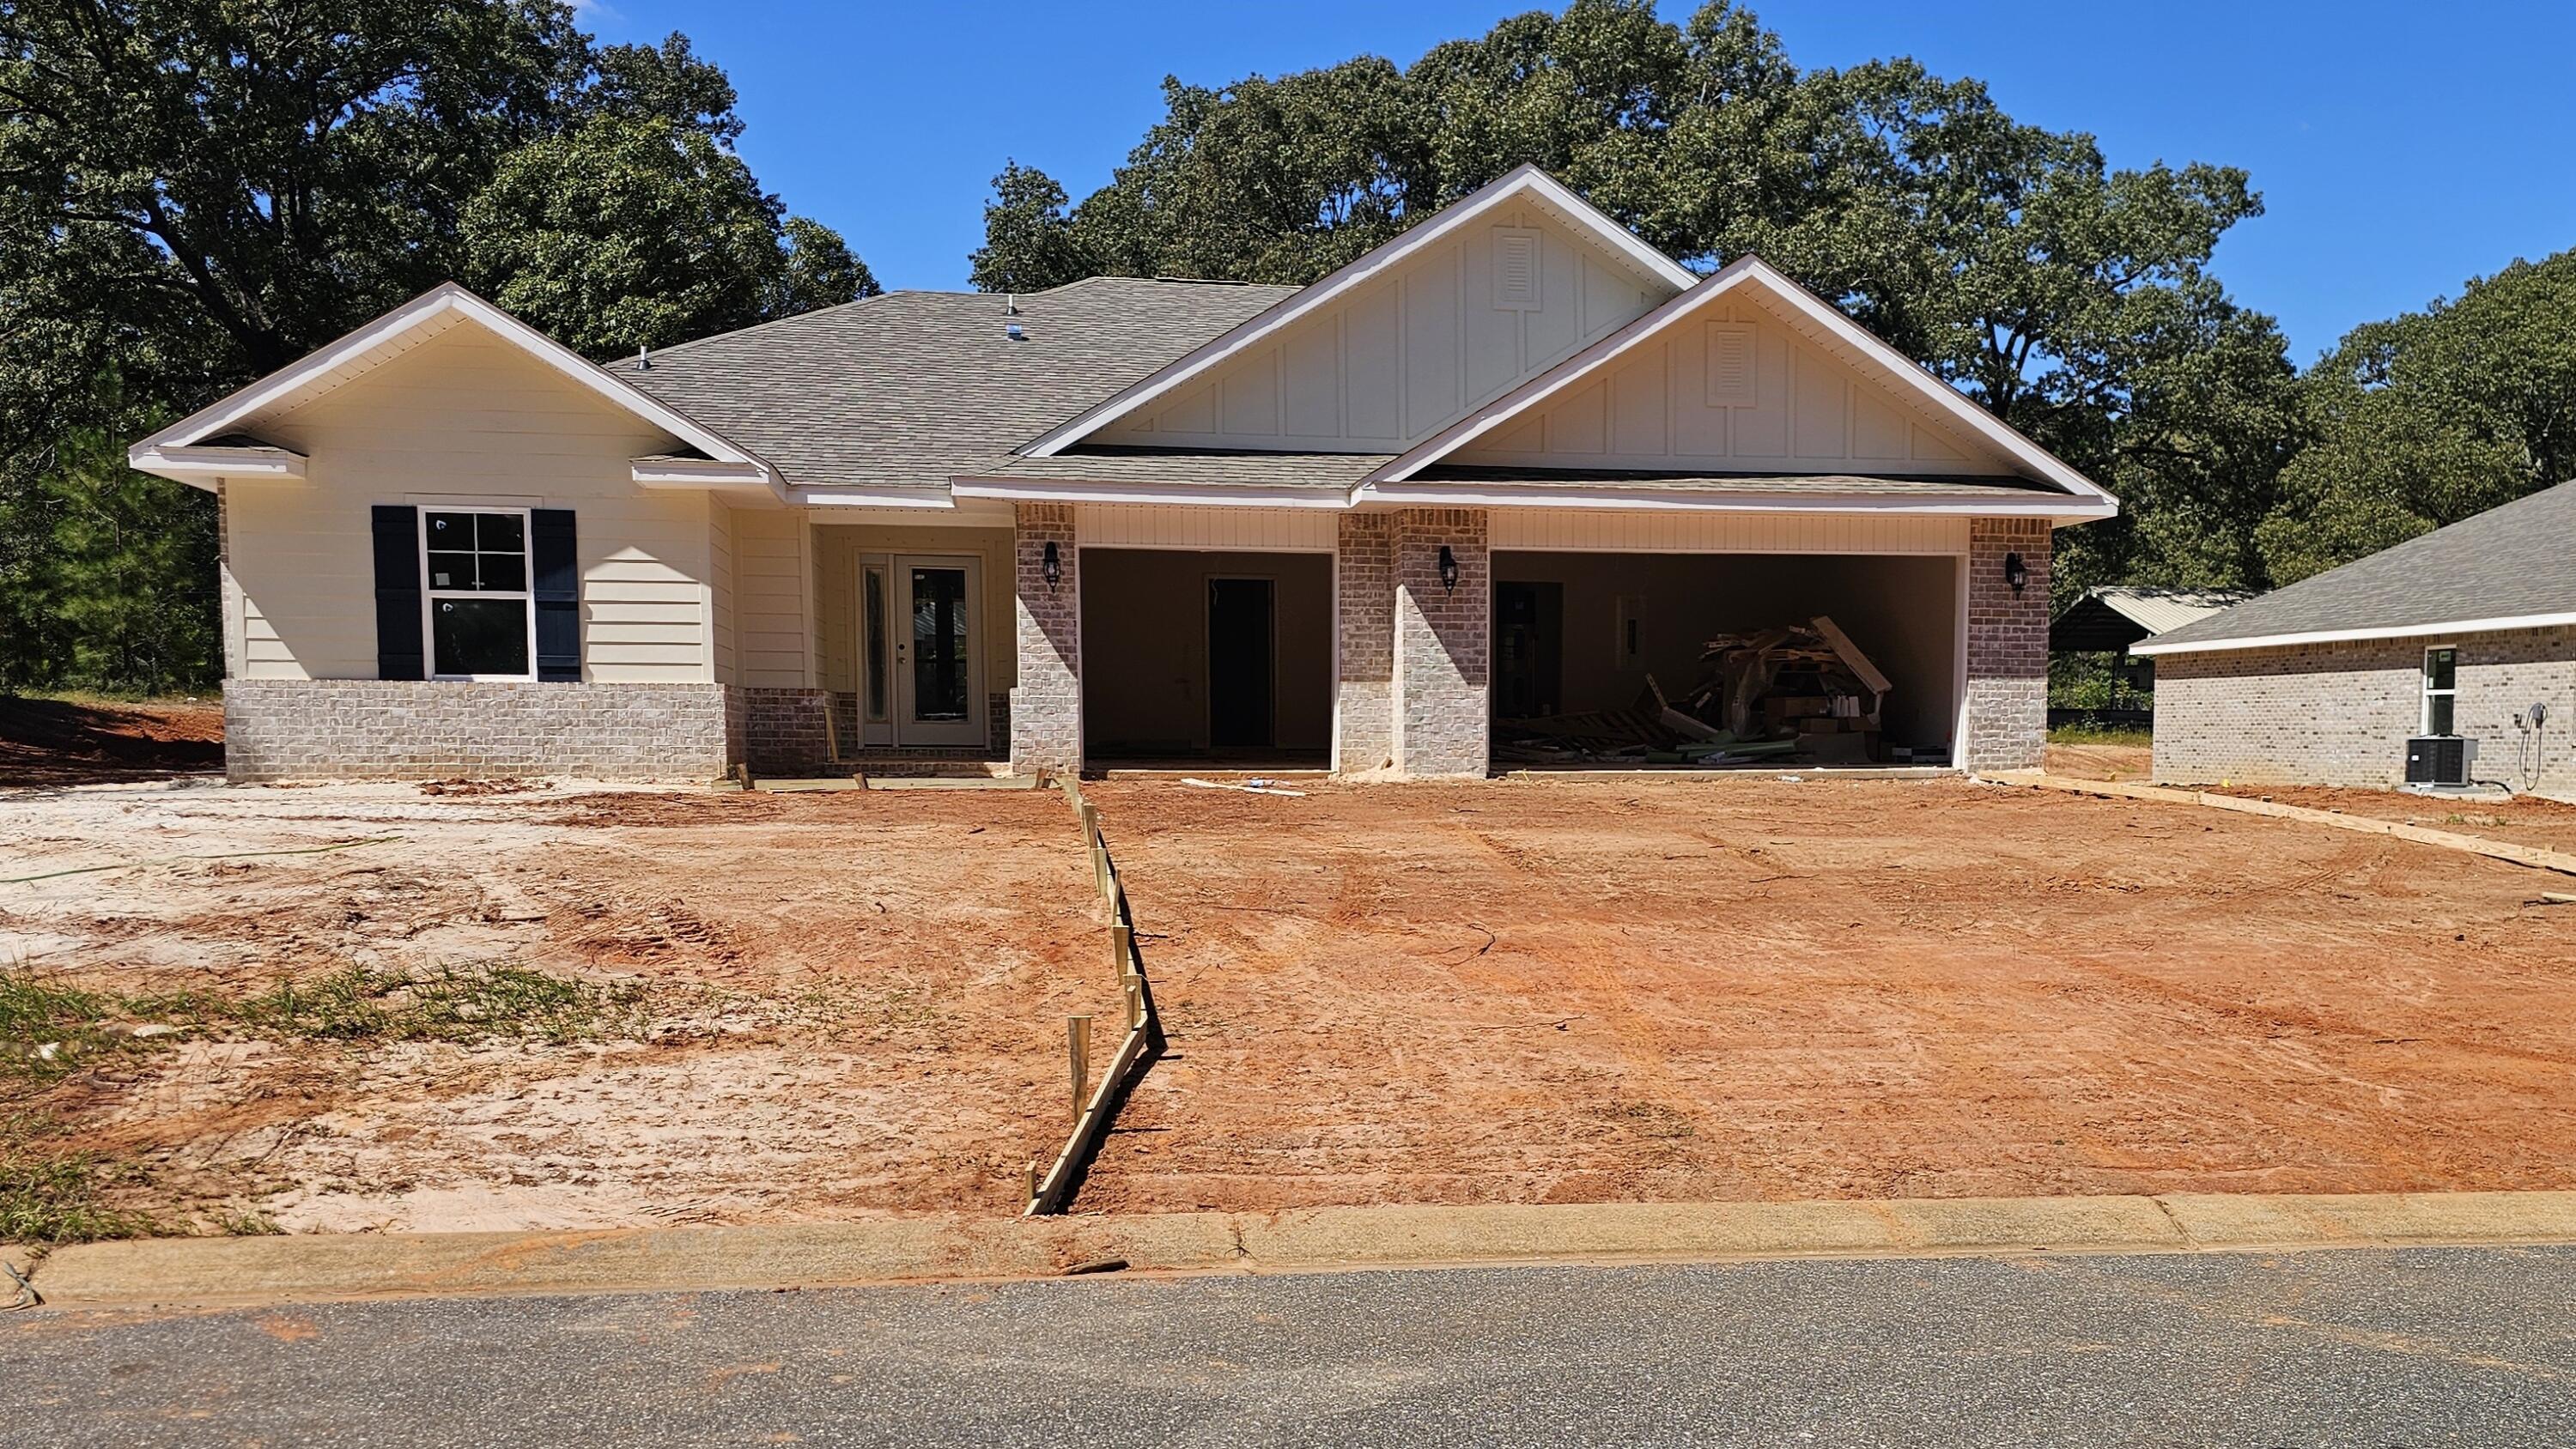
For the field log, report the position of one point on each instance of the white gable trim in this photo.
(2056, 508)
(1944, 399)
(431, 311)
(1519, 182)
(2346, 636)
(205, 467)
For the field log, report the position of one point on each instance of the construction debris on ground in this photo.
(1800, 694)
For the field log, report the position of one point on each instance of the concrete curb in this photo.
(214, 1271)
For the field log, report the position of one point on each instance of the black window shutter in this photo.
(556, 581)
(398, 643)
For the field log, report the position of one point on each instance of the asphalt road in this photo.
(2365, 1348)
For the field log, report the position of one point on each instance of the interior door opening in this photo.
(1191, 657)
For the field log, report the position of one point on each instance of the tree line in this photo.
(200, 191)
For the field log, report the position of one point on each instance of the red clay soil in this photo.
(1578, 990)
(849, 1003)
(54, 742)
(2100, 762)
(2523, 820)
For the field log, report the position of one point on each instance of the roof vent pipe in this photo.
(644, 359)
(1015, 332)
(1010, 304)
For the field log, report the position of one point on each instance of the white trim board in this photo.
(1942, 398)
(1520, 181)
(203, 467)
(2348, 636)
(431, 312)
(1069, 490)
(2057, 508)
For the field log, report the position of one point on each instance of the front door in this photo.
(1242, 674)
(938, 661)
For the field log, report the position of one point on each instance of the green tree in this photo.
(641, 232)
(195, 192)
(2427, 418)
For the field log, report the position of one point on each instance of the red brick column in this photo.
(1364, 585)
(1443, 643)
(1046, 703)
(2007, 647)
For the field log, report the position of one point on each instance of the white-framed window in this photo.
(477, 615)
(2441, 690)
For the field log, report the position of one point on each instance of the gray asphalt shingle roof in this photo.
(1828, 483)
(1229, 468)
(910, 388)
(2510, 562)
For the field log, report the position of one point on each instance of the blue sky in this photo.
(2401, 149)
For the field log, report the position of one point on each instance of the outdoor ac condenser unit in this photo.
(2440, 760)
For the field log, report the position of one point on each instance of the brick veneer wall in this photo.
(1443, 643)
(784, 732)
(2340, 714)
(1046, 704)
(2007, 647)
(357, 729)
(1364, 606)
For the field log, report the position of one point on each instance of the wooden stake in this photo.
(1122, 939)
(1029, 1183)
(1077, 1047)
(1135, 986)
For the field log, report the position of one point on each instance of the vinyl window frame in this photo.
(2449, 695)
(430, 595)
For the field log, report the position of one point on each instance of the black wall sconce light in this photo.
(1053, 566)
(1448, 569)
(2016, 573)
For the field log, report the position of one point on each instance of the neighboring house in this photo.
(2459, 633)
(1118, 519)
(2107, 620)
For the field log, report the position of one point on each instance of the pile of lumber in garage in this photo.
(1793, 693)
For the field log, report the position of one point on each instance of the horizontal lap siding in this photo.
(1140, 525)
(769, 604)
(466, 416)
(720, 593)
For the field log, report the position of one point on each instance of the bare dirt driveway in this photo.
(1584, 989)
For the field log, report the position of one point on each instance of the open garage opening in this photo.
(1207, 657)
(1769, 660)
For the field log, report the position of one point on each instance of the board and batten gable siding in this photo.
(1405, 355)
(466, 417)
(1677, 401)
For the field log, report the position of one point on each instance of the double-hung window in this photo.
(481, 622)
(2441, 691)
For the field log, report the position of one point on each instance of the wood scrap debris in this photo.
(1791, 693)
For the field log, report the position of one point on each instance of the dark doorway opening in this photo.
(1529, 649)
(1242, 663)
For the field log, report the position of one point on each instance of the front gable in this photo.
(1741, 387)
(1395, 360)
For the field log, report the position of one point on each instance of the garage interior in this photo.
(1205, 656)
(1724, 660)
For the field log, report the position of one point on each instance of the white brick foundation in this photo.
(359, 729)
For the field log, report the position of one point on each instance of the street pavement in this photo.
(2375, 1348)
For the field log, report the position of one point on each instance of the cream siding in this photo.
(1405, 355)
(1676, 401)
(1155, 525)
(721, 580)
(466, 417)
(770, 593)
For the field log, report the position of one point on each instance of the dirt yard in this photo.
(1591, 989)
(66, 742)
(713, 1007)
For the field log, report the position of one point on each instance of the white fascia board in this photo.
(2348, 636)
(708, 475)
(205, 467)
(828, 497)
(439, 301)
(1521, 180)
(1945, 399)
(1665, 500)
(1197, 495)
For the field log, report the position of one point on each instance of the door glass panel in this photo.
(939, 675)
(876, 643)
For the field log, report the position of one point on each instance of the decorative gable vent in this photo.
(1730, 364)
(1516, 269)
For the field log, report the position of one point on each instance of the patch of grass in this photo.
(49, 1193)
(2130, 737)
(361, 1004)
(247, 1223)
(47, 1029)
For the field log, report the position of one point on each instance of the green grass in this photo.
(2100, 735)
(48, 1030)
(113, 698)
(49, 1193)
(361, 1004)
